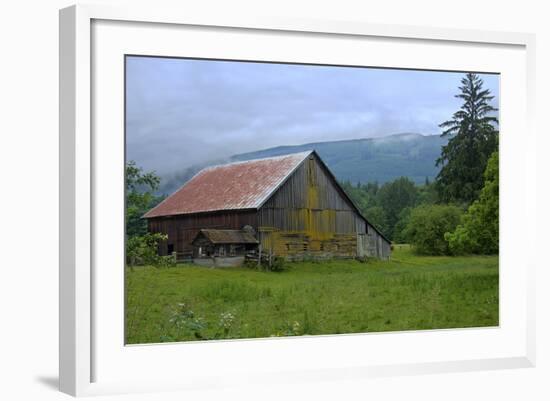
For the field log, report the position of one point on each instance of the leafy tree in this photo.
(427, 225)
(399, 236)
(372, 188)
(381, 205)
(363, 196)
(140, 188)
(393, 197)
(473, 138)
(377, 216)
(427, 194)
(478, 231)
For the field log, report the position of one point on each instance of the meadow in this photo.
(409, 292)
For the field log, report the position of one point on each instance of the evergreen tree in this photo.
(473, 138)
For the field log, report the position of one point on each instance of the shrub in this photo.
(277, 264)
(166, 261)
(185, 321)
(427, 225)
(478, 230)
(143, 250)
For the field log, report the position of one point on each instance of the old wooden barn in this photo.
(292, 205)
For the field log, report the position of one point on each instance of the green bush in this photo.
(427, 225)
(478, 230)
(143, 250)
(277, 264)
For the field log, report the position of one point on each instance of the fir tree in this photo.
(473, 138)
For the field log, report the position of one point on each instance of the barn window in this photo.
(322, 246)
(232, 249)
(170, 249)
(221, 250)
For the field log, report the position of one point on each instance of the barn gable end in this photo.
(310, 214)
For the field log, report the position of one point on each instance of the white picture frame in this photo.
(82, 344)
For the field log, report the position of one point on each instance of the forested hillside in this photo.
(357, 161)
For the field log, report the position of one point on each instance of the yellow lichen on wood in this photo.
(311, 229)
(292, 243)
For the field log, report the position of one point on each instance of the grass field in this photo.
(409, 292)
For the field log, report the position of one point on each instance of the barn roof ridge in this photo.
(305, 152)
(285, 178)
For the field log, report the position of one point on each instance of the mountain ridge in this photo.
(373, 159)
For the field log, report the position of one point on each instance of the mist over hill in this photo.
(365, 160)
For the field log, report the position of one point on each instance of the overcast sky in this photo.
(182, 112)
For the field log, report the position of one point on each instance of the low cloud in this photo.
(184, 112)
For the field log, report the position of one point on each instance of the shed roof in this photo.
(227, 236)
(233, 186)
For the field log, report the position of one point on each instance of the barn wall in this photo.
(181, 230)
(309, 215)
(376, 245)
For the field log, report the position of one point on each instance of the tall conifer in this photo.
(473, 132)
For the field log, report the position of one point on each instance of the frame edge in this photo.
(67, 111)
(74, 201)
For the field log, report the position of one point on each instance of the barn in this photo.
(292, 205)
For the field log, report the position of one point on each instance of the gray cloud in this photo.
(183, 112)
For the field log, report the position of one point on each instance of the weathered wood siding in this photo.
(182, 230)
(309, 214)
(376, 245)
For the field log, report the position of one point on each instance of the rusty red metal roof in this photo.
(234, 186)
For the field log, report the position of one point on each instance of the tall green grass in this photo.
(408, 293)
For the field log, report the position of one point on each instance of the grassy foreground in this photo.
(409, 292)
